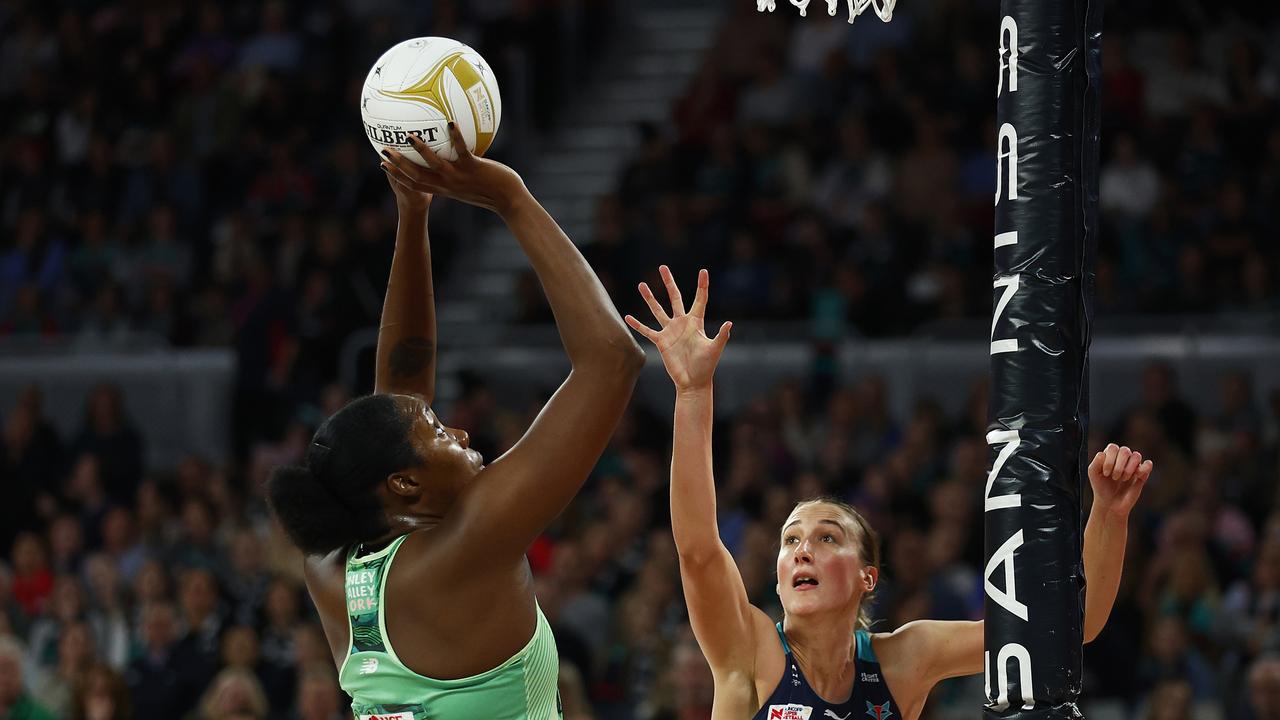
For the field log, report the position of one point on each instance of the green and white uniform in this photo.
(382, 688)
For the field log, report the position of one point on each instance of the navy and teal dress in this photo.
(793, 699)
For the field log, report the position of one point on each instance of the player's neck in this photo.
(403, 524)
(824, 646)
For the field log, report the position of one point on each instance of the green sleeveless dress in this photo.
(382, 688)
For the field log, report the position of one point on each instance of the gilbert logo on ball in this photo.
(421, 85)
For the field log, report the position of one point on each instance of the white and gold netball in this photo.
(421, 85)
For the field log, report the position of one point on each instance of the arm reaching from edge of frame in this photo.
(933, 650)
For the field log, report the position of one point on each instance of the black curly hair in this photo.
(329, 502)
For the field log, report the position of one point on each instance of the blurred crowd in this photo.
(194, 174)
(187, 170)
(846, 175)
(134, 593)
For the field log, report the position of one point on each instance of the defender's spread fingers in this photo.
(673, 291)
(699, 308)
(645, 330)
(654, 307)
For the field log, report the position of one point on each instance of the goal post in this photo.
(1044, 244)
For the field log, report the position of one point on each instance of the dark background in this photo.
(178, 179)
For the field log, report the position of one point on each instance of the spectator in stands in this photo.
(109, 610)
(1170, 656)
(54, 687)
(197, 546)
(234, 693)
(151, 199)
(203, 619)
(66, 545)
(32, 578)
(1264, 690)
(163, 683)
(13, 619)
(86, 492)
(246, 579)
(15, 703)
(32, 453)
(120, 543)
(318, 695)
(110, 437)
(103, 695)
(1250, 619)
(1170, 700)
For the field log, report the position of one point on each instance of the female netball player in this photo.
(822, 657)
(416, 549)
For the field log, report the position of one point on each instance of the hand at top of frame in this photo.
(688, 354)
(473, 180)
(1117, 475)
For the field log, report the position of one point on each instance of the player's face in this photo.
(819, 568)
(450, 461)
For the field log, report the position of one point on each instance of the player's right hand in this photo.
(688, 354)
(474, 180)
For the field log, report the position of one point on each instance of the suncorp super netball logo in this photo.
(790, 712)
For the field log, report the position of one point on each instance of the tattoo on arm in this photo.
(410, 357)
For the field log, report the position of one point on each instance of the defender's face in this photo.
(819, 568)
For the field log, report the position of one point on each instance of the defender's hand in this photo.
(1117, 476)
(688, 354)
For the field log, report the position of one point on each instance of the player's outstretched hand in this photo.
(473, 180)
(688, 354)
(1117, 475)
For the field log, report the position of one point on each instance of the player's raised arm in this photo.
(936, 650)
(520, 493)
(407, 332)
(719, 610)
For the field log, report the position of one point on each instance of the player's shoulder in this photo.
(929, 650)
(326, 579)
(906, 645)
(325, 569)
(920, 635)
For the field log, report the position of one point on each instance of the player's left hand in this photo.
(408, 199)
(1117, 475)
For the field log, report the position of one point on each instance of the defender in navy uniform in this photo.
(822, 661)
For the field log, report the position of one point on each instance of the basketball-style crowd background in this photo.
(194, 173)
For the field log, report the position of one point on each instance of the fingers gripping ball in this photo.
(421, 85)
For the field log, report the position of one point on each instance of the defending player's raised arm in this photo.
(935, 650)
(719, 611)
(519, 494)
(1117, 476)
(407, 331)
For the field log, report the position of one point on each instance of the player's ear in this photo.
(403, 483)
(870, 577)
